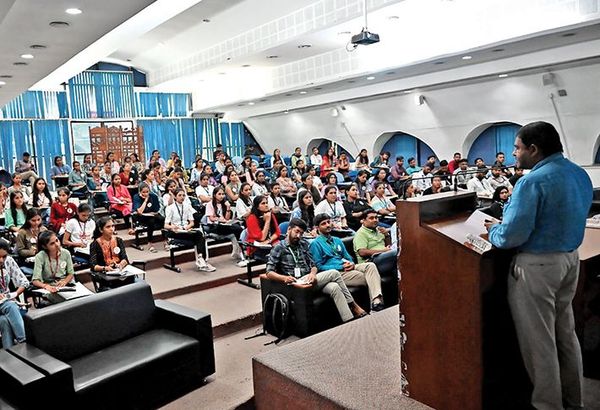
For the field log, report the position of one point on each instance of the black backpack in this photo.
(276, 316)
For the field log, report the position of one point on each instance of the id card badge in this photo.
(297, 272)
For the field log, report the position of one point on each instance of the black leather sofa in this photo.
(313, 311)
(116, 349)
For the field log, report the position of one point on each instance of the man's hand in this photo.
(311, 279)
(288, 280)
(488, 224)
(348, 266)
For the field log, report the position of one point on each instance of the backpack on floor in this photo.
(276, 316)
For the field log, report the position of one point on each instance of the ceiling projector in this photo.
(364, 38)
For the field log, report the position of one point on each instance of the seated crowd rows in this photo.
(257, 202)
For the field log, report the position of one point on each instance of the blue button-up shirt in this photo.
(547, 210)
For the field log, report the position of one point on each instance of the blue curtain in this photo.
(15, 138)
(51, 139)
(163, 135)
(188, 141)
(497, 138)
(38, 105)
(162, 104)
(400, 144)
(98, 94)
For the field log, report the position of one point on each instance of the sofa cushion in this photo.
(123, 360)
(77, 327)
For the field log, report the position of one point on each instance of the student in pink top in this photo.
(120, 200)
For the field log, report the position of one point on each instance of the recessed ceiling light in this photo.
(344, 33)
(59, 24)
(303, 92)
(272, 57)
(228, 58)
(2, 83)
(467, 57)
(73, 11)
(19, 63)
(407, 91)
(251, 103)
(37, 47)
(246, 65)
(497, 50)
(262, 100)
(439, 62)
(6, 76)
(502, 75)
(222, 73)
(568, 34)
(241, 105)
(370, 78)
(206, 20)
(305, 46)
(27, 56)
(286, 112)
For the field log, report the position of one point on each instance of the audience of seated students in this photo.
(61, 210)
(497, 179)
(288, 188)
(369, 243)
(381, 177)
(59, 169)
(14, 215)
(354, 206)
(307, 184)
(329, 253)
(53, 266)
(444, 172)
(12, 328)
(290, 262)
(41, 198)
(79, 233)
(453, 165)
(412, 166)
(78, 180)
(232, 189)
(422, 179)
(277, 204)
(499, 162)
(17, 186)
(331, 206)
(316, 160)
(26, 241)
(243, 205)
(179, 223)
(362, 161)
(120, 200)
(380, 202)
(479, 184)
(219, 220)
(500, 198)
(262, 229)
(259, 187)
(518, 174)
(331, 180)
(329, 162)
(343, 165)
(462, 173)
(436, 187)
(107, 253)
(382, 160)
(26, 169)
(146, 212)
(305, 210)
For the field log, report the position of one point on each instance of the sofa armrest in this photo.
(190, 322)
(20, 382)
(58, 373)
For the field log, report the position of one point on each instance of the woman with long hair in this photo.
(382, 177)
(120, 200)
(135, 161)
(28, 234)
(243, 205)
(500, 199)
(305, 211)
(115, 167)
(17, 186)
(329, 162)
(61, 210)
(276, 156)
(260, 186)
(288, 188)
(41, 198)
(408, 190)
(343, 165)
(277, 204)
(211, 178)
(169, 196)
(219, 220)
(225, 176)
(87, 164)
(250, 173)
(232, 189)
(13, 328)
(362, 161)
(14, 216)
(197, 171)
(308, 185)
(79, 232)
(331, 206)
(354, 206)
(146, 211)
(179, 224)
(3, 198)
(263, 229)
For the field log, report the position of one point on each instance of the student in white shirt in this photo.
(243, 205)
(79, 231)
(480, 185)
(316, 160)
(332, 207)
(422, 178)
(278, 204)
(260, 185)
(204, 190)
(179, 221)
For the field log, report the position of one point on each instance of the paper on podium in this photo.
(467, 231)
(593, 222)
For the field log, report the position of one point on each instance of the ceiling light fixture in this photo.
(502, 75)
(394, 18)
(439, 62)
(303, 92)
(251, 103)
(286, 112)
(370, 78)
(20, 63)
(27, 56)
(270, 57)
(305, 46)
(6, 76)
(344, 33)
(73, 11)
(37, 47)
(206, 20)
(467, 57)
(246, 65)
(568, 34)
(390, 73)
(2, 83)
(59, 24)
(497, 50)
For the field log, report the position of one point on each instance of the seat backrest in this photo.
(348, 243)
(78, 327)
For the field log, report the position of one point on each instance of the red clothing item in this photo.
(255, 231)
(121, 193)
(59, 214)
(327, 164)
(452, 166)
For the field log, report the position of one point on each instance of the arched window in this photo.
(499, 137)
(407, 146)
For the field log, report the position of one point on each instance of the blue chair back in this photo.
(283, 227)
(287, 161)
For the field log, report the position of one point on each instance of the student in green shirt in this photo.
(369, 243)
(53, 266)
(15, 215)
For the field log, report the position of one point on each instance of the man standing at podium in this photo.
(545, 221)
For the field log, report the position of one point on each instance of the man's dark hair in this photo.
(431, 156)
(366, 213)
(411, 159)
(297, 222)
(320, 218)
(399, 158)
(443, 163)
(463, 160)
(26, 154)
(499, 153)
(456, 153)
(543, 135)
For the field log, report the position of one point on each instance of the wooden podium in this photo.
(461, 351)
